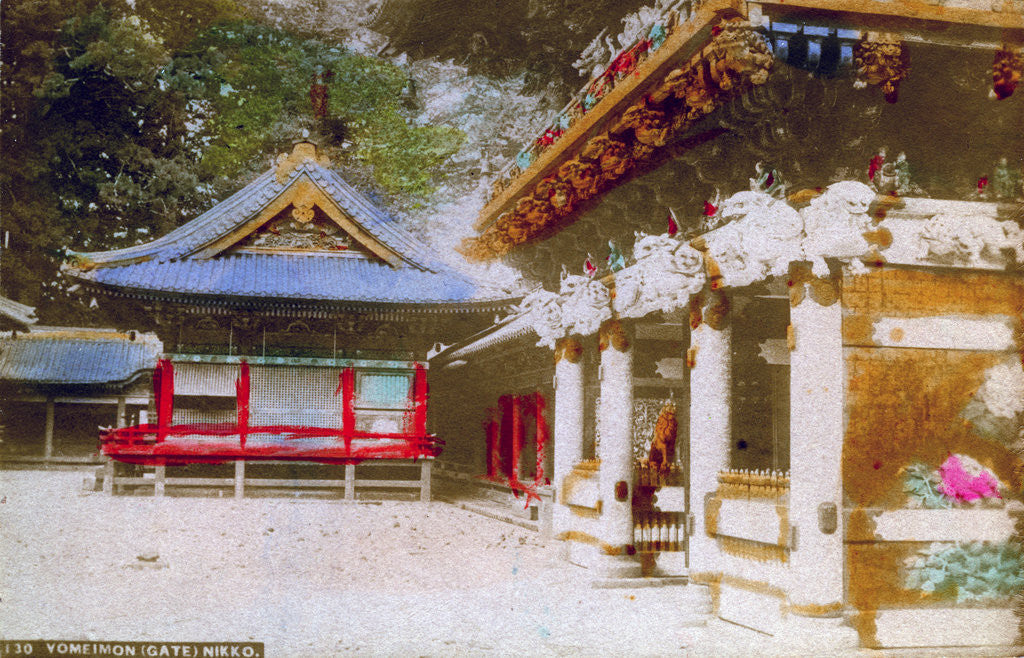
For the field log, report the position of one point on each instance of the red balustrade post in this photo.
(517, 437)
(242, 401)
(542, 435)
(163, 393)
(420, 394)
(348, 411)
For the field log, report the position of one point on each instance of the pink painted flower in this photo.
(965, 480)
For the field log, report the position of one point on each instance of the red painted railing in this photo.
(162, 443)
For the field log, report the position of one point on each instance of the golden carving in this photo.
(738, 55)
(303, 152)
(1006, 72)
(716, 314)
(663, 446)
(583, 176)
(650, 126)
(615, 160)
(559, 193)
(880, 59)
(302, 211)
(790, 337)
(613, 333)
(824, 291)
(569, 348)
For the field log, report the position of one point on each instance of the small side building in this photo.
(59, 384)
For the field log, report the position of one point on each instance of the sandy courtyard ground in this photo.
(308, 578)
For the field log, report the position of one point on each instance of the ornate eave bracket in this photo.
(736, 58)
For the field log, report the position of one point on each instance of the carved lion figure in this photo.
(585, 304)
(543, 310)
(970, 240)
(835, 223)
(583, 176)
(763, 236)
(650, 126)
(739, 53)
(559, 193)
(666, 273)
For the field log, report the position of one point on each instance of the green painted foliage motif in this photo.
(973, 571)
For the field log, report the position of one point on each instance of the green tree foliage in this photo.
(253, 82)
(120, 123)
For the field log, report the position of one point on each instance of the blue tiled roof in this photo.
(290, 276)
(77, 357)
(175, 264)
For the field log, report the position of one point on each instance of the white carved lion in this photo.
(585, 304)
(835, 223)
(970, 239)
(543, 310)
(666, 273)
(762, 237)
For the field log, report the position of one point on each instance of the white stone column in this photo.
(567, 433)
(816, 448)
(710, 362)
(615, 484)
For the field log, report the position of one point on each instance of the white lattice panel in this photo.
(205, 379)
(290, 395)
(191, 416)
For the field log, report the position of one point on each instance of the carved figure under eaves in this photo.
(835, 223)
(674, 84)
(650, 126)
(881, 60)
(583, 176)
(515, 229)
(739, 53)
(762, 237)
(1006, 182)
(543, 310)
(1007, 68)
(533, 210)
(559, 193)
(614, 159)
(700, 91)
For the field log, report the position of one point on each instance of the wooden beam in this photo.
(425, 466)
(983, 14)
